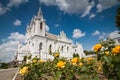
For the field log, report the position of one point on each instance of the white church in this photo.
(39, 42)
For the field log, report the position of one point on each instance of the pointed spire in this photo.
(39, 12)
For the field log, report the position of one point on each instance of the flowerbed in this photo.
(76, 68)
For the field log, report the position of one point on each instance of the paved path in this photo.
(8, 74)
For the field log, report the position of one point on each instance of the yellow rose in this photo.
(81, 64)
(99, 68)
(56, 54)
(116, 49)
(74, 61)
(41, 61)
(90, 59)
(106, 52)
(34, 61)
(23, 71)
(97, 47)
(61, 64)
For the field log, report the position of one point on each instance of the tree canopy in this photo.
(118, 19)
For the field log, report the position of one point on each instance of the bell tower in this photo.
(39, 24)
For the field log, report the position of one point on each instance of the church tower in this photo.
(39, 27)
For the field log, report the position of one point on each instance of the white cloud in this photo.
(68, 6)
(105, 4)
(10, 4)
(77, 33)
(89, 7)
(99, 7)
(17, 22)
(81, 7)
(17, 37)
(56, 25)
(96, 33)
(47, 28)
(92, 16)
(3, 9)
(9, 46)
(16, 3)
(114, 34)
(47, 2)
(103, 35)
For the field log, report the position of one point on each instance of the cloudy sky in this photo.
(83, 21)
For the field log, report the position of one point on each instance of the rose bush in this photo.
(60, 69)
(109, 54)
(106, 63)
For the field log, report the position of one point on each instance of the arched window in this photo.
(50, 47)
(75, 50)
(62, 48)
(40, 46)
(67, 49)
(32, 44)
(41, 26)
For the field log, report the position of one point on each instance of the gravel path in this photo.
(8, 74)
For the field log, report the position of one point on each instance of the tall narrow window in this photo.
(50, 47)
(32, 44)
(67, 49)
(40, 46)
(41, 26)
(62, 48)
(75, 50)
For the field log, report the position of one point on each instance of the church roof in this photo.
(51, 36)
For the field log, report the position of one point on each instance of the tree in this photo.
(118, 19)
(89, 52)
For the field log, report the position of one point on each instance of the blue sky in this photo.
(83, 21)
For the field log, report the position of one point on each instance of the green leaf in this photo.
(35, 75)
(83, 68)
(107, 59)
(58, 74)
(96, 77)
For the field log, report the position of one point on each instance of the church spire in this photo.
(39, 14)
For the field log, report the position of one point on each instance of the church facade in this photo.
(39, 42)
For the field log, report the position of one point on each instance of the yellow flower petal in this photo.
(116, 49)
(99, 68)
(106, 52)
(74, 60)
(81, 64)
(41, 61)
(97, 47)
(34, 61)
(61, 64)
(23, 71)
